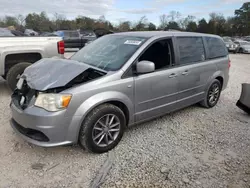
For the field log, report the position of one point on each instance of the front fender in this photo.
(105, 97)
(96, 100)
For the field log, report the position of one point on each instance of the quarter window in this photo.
(216, 47)
(191, 49)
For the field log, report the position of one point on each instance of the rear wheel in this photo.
(240, 50)
(212, 95)
(102, 129)
(14, 74)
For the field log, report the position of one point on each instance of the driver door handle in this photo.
(185, 72)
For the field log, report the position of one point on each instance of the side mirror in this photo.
(145, 67)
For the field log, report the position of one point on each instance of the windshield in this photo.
(109, 52)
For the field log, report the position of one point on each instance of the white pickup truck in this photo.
(17, 53)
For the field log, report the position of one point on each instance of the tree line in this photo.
(238, 24)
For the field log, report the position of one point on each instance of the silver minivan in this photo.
(117, 81)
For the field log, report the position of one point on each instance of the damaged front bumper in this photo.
(43, 128)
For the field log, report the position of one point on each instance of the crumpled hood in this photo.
(52, 73)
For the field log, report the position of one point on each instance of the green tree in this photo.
(216, 24)
(173, 25)
(141, 24)
(84, 22)
(242, 19)
(151, 27)
(202, 26)
(39, 22)
(124, 26)
(10, 21)
(192, 26)
(184, 22)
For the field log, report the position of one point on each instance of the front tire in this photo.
(14, 73)
(212, 95)
(241, 50)
(102, 129)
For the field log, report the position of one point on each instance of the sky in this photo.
(120, 10)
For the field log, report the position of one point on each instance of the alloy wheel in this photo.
(214, 94)
(106, 130)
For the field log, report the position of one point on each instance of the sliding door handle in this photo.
(173, 75)
(185, 72)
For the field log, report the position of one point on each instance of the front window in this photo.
(109, 52)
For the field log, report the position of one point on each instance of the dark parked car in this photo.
(72, 38)
(101, 32)
(231, 46)
(243, 46)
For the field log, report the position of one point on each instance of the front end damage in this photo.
(38, 125)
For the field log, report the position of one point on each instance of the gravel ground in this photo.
(194, 147)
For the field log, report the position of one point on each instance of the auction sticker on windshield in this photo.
(133, 42)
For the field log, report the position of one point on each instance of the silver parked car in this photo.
(231, 46)
(244, 46)
(117, 81)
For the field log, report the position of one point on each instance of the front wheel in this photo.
(102, 129)
(212, 95)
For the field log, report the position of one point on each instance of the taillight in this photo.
(60, 46)
(229, 63)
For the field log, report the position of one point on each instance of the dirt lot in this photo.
(194, 147)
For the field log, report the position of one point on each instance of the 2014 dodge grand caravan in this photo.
(117, 81)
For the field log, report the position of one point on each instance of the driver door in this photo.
(156, 92)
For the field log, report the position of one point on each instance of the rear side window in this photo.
(71, 34)
(191, 49)
(216, 47)
(74, 34)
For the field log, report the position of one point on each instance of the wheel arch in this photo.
(119, 99)
(14, 58)
(221, 79)
(218, 75)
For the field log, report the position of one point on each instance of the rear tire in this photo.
(212, 95)
(15, 72)
(89, 136)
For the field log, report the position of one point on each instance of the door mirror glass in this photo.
(145, 67)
